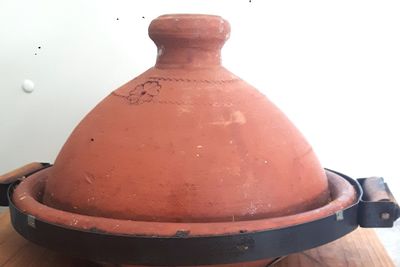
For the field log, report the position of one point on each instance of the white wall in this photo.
(332, 66)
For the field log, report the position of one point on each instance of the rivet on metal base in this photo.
(31, 221)
(385, 216)
(339, 216)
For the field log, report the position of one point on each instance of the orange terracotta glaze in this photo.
(186, 141)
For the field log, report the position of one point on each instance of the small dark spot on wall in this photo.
(117, 18)
(39, 47)
(92, 139)
(35, 54)
(143, 17)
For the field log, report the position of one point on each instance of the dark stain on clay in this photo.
(96, 230)
(182, 233)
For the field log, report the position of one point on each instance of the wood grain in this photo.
(361, 248)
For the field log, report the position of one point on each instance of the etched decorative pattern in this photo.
(169, 79)
(142, 93)
(146, 92)
(179, 103)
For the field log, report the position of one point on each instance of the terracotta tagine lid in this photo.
(186, 141)
(185, 165)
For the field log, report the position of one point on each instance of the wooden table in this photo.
(360, 248)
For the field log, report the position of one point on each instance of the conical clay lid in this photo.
(186, 141)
